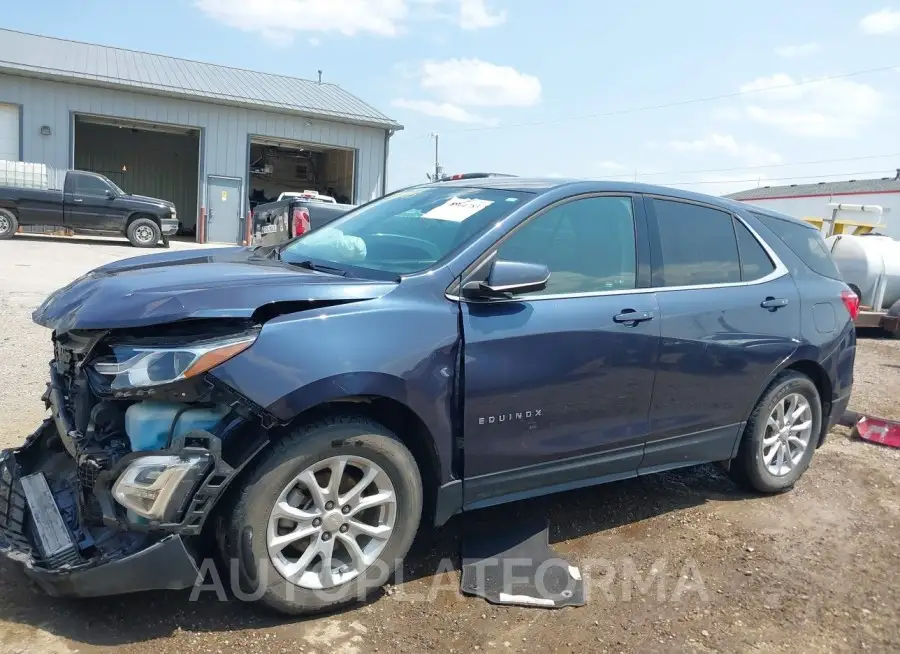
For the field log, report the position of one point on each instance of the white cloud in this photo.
(444, 110)
(828, 108)
(279, 20)
(474, 15)
(314, 42)
(886, 21)
(476, 83)
(802, 50)
(753, 154)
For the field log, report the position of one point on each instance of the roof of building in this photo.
(849, 187)
(72, 61)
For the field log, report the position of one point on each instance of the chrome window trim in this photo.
(779, 271)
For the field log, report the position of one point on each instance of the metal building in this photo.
(874, 201)
(214, 140)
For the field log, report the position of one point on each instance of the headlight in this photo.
(140, 367)
(156, 487)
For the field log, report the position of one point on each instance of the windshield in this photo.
(406, 232)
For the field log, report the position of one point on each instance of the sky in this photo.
(703, 94)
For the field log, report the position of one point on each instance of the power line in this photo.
(766, 166)
(665, 105)
(772, 179)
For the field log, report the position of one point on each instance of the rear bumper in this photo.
(140, 564)
(169, 226)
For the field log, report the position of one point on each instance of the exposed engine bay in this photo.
(139, 445)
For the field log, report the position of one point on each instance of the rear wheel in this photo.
(9, 224)
(781, 435)
(326, 517)
(144, 233)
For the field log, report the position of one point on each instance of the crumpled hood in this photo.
(229, 282)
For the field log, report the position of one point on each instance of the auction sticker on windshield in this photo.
(457, 209)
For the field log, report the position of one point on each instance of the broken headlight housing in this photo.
(156, 487)
(134, 366)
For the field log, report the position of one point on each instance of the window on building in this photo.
(755, 262)
(698, 245)
(588, 245)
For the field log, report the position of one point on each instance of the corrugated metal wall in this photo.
(225, 129)
(157, 164)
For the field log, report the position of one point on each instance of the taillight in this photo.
(851, 301)
(301, 221)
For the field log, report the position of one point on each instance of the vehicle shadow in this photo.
(124, 620)
(83, 240)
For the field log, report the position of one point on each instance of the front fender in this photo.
(400, 346)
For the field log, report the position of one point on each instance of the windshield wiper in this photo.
(319, 267)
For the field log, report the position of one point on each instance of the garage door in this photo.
(9, 132)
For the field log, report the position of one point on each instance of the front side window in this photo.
(406, 232)
(698, 245)
(588, 245)
(90, 185)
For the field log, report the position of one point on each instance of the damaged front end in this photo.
(111, 493)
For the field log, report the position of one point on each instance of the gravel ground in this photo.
(677, 562)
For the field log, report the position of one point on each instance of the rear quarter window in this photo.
(805, 241)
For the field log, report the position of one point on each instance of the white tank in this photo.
(862, 259)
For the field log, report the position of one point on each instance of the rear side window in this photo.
(755, 263)
(805, 241)
(698, 245)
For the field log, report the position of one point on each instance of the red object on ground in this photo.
(877, 430)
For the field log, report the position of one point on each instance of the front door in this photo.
(558, 382)
(224, 205)
(90, 204)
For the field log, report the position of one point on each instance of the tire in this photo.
(248, 532)
(143, 233)
(750, 469)
(9, 224)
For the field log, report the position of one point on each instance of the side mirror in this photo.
(109, 194)
(510, 277)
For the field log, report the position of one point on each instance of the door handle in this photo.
(77, 200)
(773, 303)
(630, 316)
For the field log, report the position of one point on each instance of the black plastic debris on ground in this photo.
(514, 565)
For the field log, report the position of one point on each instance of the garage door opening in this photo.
(277, 167)
(159, 161)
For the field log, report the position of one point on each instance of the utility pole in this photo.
(437, 165)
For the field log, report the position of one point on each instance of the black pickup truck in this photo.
(89, 203)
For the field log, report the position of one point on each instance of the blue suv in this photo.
(447, 347)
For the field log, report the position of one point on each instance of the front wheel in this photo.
(781, 435)
(144, 233)
(326, 517)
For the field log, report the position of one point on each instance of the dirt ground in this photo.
(813, 570)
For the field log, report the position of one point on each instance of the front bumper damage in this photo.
(93, 548)
(136, 563)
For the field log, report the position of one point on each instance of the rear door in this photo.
(89, 205)
(729, 315)
(558, 381)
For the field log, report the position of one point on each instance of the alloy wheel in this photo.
(788, 434)
(331, 522)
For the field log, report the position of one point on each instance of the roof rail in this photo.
(449, 178)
